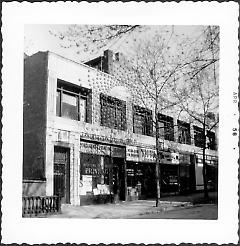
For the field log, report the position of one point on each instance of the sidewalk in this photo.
(123, 210)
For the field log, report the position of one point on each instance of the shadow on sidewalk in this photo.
(194, 198)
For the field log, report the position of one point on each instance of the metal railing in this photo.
(40, 205)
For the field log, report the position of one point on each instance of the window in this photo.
(142, 121)
(73, 102)
(96, 171)
(166, 127)
(117, 56)
(113, 112)
(198, 136)
(211, 140)
(184, 136)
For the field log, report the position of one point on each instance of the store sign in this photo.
(147, 155)
(170, 158)
(107, 139)
(117, 152)
(96, 149)
(139, 154)
(95, 171)
(132, 153)
(100, 149)
(209, 160)
(184, 159)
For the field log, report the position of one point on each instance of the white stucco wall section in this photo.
(68, 70)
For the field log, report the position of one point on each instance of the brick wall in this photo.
(34, 110)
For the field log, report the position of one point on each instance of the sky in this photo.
(38, 38)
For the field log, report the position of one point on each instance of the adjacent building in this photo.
(88, 142)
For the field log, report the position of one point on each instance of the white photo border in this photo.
(16, 229)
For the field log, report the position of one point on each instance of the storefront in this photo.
(211, 170)
(177, 172)
(169, 172)
(102, 173)
(187, 179)
(140, 172)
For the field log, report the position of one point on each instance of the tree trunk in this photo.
(158, 170)
(204, 165)
(158, 191)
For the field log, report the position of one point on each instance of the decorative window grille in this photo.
(166, 127)
(142, 121)
(113, 112)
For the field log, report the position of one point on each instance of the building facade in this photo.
(86, 141)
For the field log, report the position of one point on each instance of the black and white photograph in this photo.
(130, 124)
(135, 125)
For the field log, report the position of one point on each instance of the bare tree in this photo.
(89, 38)
(164, 71)
(198, 89)
(170, 72)
(149, 76)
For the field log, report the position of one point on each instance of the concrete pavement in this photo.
(202, 211)
(130, 209)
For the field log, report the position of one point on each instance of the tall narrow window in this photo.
(73, 102)
(166, 127)
(184, 136)
(142, 121)
(113, 112)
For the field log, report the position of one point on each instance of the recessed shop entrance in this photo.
(119, 178)
(147, 180)
(141, 182)
(61, 183)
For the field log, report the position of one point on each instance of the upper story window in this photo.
(73, 102)
(184, 136)
(166, 127)
(113, 112)
(211, 140)
(142, 121)
(198, 136)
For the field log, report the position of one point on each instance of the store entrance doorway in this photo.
(118, 179)
(62, 173)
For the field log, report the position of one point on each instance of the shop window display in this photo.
(96, 171)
